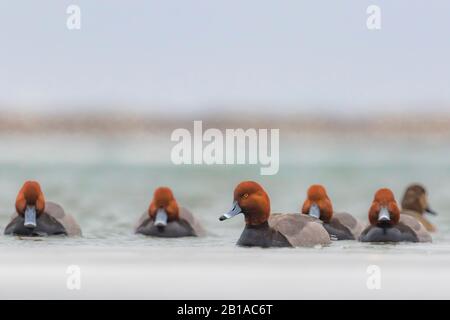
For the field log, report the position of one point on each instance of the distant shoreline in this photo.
(304, 123)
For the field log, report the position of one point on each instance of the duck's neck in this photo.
(261, 226)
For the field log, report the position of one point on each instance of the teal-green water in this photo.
(107, 181)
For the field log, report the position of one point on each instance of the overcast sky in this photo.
(210, 54)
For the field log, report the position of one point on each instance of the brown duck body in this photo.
(285, 230)
(408, 229)
(185, 226)
(53, 221)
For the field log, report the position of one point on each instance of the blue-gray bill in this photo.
(431, 211)
(161, 218)
(232, 213)
(384, 215)
(30, 217)
(314, 211)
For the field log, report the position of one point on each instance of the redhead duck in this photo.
(165, 219)
(277, 230)
(339, 225)
(386, 224)
(36, 217)
(415, 204)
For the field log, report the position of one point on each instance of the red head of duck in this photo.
(163, 208)
(317, 203)
(384, 209)
(251, 200)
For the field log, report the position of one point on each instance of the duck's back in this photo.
(300, 230)
(416, 227)
(66, 220)
(428, 226)
(343, 226)
(194, 223)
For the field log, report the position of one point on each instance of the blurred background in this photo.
(89, 112)
(356, 108)
(185, 56)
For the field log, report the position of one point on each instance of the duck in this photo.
(339, 225)
(164, 218)
(36, 217)
(387, 225)
(263, 229)
(415, 204)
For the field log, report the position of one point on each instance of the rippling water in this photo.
(106, 182)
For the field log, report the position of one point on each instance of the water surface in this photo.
(106, 182)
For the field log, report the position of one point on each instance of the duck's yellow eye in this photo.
(245, 195)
